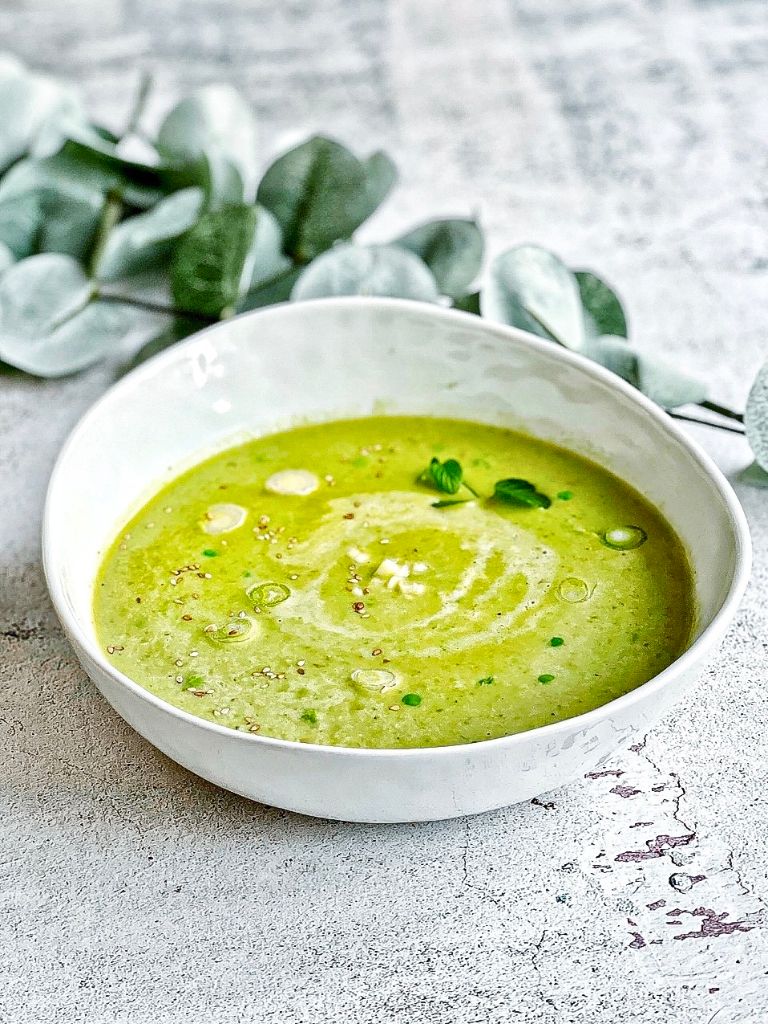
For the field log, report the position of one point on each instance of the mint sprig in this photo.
(448, 477)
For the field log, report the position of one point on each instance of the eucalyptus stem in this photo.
(544, 326)
(705, 423)
(139, 103)
(111, 213)
(156, 307)
(722, 410)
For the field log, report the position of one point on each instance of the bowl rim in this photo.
(692, 654)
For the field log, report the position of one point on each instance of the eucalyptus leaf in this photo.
(657, 380)
(530, 288)
(756, 417)
(21, 220)
(320, 193)
(221, 180)
(147, 239)
(90, 143)
(468, 303)
(208, 265)
(7, 257)
(10, 66)
(265, 261)
(754, 475)
(50, 324)
(603, 312)
(177, 330)
(213, 172)
(278, 289)
(28, 104)
(70, 203)
(452, 249)
(380, 179)
(215, 121)
(367, 270)
(89, 149)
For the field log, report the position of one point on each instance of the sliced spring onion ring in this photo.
(223, 518)
(573, 590)
(624, 538)
(267, 595)
(299, 482)
(379, 679)
(231, 632)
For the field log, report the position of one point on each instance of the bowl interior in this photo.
(338, 358)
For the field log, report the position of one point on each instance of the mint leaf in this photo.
(446, 476)
(515, 491)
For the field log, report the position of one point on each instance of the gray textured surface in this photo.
(626, 135)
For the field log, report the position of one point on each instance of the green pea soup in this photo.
(347, 584)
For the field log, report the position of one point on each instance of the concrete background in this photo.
(626, 135)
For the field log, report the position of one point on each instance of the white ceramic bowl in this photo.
(350, 357)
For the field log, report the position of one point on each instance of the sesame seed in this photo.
(293, 576)
(194, 654)
(187, 617)
(301, 663)
(301, 671)
(376, 652)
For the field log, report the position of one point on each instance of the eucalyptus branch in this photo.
(722, 410)
(188, 217)
(155, 307)
(139, 103)
(705, 423)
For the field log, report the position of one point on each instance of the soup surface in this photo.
(307, 586)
